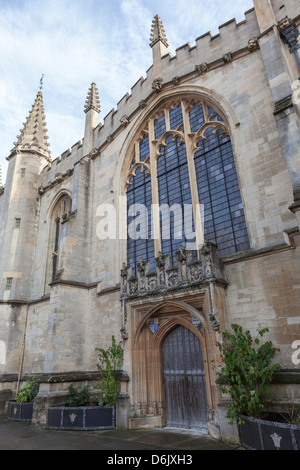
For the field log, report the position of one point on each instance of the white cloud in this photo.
(74, 43)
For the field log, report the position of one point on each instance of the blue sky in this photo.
(76, 42)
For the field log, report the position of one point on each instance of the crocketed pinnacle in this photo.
(33, 136)
(92, 101)
(158, 32)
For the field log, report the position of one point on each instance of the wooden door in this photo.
(184, 380)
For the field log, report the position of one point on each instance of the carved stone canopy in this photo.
(187, 271)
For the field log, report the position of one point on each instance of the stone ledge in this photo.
(61, 377)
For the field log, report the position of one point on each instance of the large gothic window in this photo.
(184, 158)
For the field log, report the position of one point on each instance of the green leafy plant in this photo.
(29, 391)
(110, 361)
(246, 371)
(78, 396)
(289, 411)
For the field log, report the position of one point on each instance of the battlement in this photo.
(232, 37)
(208, 53)
(63, 163)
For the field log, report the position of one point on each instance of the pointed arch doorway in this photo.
(184, 380)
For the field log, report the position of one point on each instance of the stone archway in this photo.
(148, 381)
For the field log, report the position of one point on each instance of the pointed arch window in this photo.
(58, 217)
(184, 156)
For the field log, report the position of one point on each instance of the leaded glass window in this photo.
(140, 243)
(174, 190)
(218, 190)
(185, 158)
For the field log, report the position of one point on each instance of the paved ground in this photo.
(23, 436)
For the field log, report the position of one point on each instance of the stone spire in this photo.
(92, 101)
(33, 136)
(158, 32)
(92, 110)
(159, 47)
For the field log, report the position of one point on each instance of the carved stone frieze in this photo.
(187, 271)
(172, 277)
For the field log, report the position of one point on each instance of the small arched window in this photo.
(59, 215)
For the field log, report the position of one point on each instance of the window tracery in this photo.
(185, 156)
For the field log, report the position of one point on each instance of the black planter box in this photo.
(259, 434)
(19, 411)
(87, 418)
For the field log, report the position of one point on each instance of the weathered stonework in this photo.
(70, 291)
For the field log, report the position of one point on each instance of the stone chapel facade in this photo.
(217, 125)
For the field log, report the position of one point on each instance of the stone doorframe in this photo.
(147, 387)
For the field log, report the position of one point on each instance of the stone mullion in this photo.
(137, 151)
(167, 118)
(192, 175)
(154, 187)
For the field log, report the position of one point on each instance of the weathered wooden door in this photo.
(184, 380)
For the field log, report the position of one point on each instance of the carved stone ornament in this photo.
(124, 332)
(124, 120)
(284, 23)
(133, 286)
(202, 68)
(182, 258)
(1, 190)
(59, 177)
(186, 271)
(173, 278)
(152, 281)
(64, 217)
(41, 190)
(253, 44)
(214, 322)
(176, 81)
(93, 154)
(227, 57)
(142, 104)
(196, 272)
(157, 84)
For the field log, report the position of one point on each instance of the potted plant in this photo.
(246, 375)
(85, 411)
(21, 408)
(110, 362)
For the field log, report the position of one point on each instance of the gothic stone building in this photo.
(217, 125)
